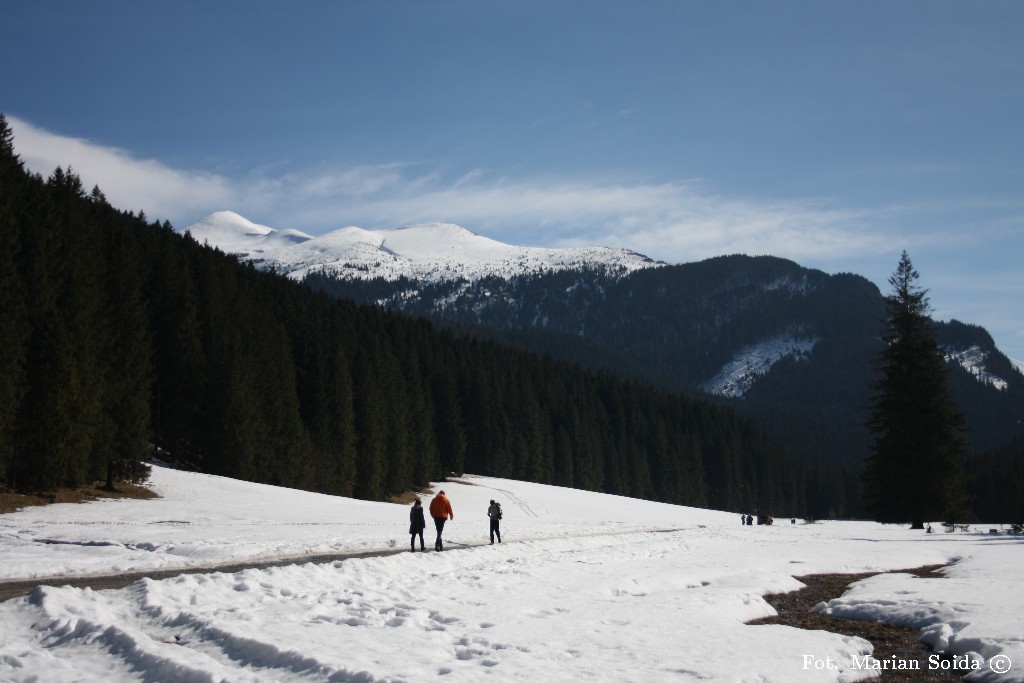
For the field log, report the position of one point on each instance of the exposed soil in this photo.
(12, 502)
(888, 640)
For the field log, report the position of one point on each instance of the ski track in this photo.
(516, 500)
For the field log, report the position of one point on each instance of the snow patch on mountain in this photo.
(973, 360)
(797, 285)
(751, 362)
(427, 252)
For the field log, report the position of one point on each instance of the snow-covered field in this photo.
(586, 586)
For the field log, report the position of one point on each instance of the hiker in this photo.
(417, 524)
(441, 511)
(494, 512)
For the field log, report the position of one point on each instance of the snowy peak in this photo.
(430, 251)
(234, 234)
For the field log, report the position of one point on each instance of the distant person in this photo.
(416, 525)
(494, 512)
(441, 511)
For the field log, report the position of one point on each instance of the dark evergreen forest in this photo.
(120, 338)
(674, 327)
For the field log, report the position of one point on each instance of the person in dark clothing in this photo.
(441, 511)
(417, 524)
(494, 512)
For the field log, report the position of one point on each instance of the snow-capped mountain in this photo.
(428, 252)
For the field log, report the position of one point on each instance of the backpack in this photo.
(497, 506)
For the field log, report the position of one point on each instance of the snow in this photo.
(233, 234)
(973, 360)
(738, 375)
(585, 586)
(427, 252)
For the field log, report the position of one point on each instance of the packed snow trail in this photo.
(18, 588)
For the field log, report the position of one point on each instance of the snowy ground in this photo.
(586, 586)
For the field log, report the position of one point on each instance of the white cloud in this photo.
(672, 221)
(677, 221)
(128, 183)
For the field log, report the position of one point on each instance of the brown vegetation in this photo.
(11, 502)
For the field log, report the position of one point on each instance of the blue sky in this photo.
(833, 133)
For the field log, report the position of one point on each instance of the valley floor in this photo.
(587, 586)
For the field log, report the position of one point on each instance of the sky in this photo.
(583, 586)
(834, 134)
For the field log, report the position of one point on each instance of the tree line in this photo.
(120, 338)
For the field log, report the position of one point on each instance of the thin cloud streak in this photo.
(674, 222)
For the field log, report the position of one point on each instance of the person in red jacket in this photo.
(441, 511)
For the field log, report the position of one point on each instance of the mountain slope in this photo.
(792, 347)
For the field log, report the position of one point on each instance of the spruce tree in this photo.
(916, 470)
(8, 159)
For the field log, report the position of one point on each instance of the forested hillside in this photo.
(677, 326)
(119, 336)
(680, 327)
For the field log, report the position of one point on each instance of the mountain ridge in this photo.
(789, 345)
(426, 251)
(437, 252)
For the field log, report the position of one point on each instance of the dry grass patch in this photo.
(11, 502)
(889, 641)
(408, 497)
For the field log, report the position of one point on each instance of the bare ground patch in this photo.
(889, 641)
(11, 502)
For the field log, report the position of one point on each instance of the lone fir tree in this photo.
(916, 471)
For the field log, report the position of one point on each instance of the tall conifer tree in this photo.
(916, 470)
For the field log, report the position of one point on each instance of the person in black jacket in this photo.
(494, 512)
(417, 524)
